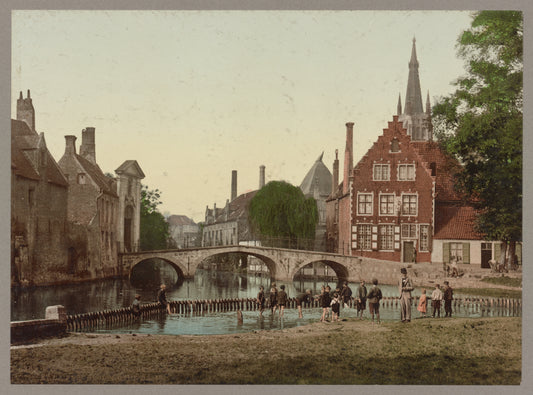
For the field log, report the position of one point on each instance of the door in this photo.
(408, 251)
(486, 255)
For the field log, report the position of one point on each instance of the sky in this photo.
(193, 95)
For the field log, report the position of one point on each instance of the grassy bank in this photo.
(425, 351)
(504, 280)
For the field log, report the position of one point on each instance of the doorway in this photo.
(408, 251)
(486, 255)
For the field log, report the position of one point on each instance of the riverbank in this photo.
(425, 351)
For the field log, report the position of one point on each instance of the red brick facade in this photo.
(393, 200)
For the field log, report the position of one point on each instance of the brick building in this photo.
(38, 204)
(69, 219)
(398, 203)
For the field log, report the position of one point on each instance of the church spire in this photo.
(428, 105)
(399, 108)
(413, 96)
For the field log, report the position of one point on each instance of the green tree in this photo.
(280, 210)
(480, 124)
(154, 228)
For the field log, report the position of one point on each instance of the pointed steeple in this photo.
(413, 96)
(399, 108)
(428, 105)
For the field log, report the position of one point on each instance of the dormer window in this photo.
(395, 145)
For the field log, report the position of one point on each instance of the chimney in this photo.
(87, 148)
(348, 157)
(335, 182)
(261, 176)
(233, 185)
(25, 110)
(70, 145)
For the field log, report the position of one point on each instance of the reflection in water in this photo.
(119, 293)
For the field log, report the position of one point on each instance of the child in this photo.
(282, 300)
(436, 298)
(273, 298)
(373, 297)
(261, 299)
(422, 303)
(325, 301)
(335, 307)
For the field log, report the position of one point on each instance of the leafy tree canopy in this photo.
(281, 210)
(480, 124)
(154, 228)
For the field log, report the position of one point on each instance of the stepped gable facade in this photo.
(317, 184)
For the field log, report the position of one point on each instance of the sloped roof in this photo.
(131, 165)
(23, 140)
(455, 222)
(238, 208)
(179, 220)
(446, 167)
(319, 175)
(96, 174)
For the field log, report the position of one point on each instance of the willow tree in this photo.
(280, 211)
(480, 124)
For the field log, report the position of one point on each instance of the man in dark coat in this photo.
(448, 297)
(346, 294)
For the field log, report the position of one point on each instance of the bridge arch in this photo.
(177, 266)
(341, 271)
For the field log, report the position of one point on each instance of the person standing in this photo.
(162, 298)
(346, 294)
(335, 307)
(361, 299)
(300, 298)
(405, 287)
(448, 297)
(436, 298)
(273, 298)
(374, 296)
(325, 301)
(422, 303)
(261, 299)
(136, 306)
(282, 300)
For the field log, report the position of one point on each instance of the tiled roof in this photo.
(455, 222)
(319, 175)
(94, 171)
(446, 167)
(237, 207)
(24, 140)
(177, 220)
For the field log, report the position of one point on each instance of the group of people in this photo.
(437, 296)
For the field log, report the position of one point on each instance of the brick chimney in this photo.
(348, 157)
(70, 145)
(233, 185)
(87, 147)
(261, 176)
(25, 111)
(335, 182)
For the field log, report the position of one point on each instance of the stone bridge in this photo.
(283, 264)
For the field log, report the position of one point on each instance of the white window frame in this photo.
(409, 213)
(366, 194)
(377, 175)
(364, 238)
(424, 242)
(456, 251)
(409, 235)
(406, 176)
(391, 204)
(386, 239)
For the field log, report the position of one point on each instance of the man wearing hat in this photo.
(405, 287)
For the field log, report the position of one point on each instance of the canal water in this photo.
(119, 293)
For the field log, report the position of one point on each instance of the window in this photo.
(386, 204)
(394, 146)
(406, 172)
(364, 237)
(381, 172)
(424, 237)
(433, 167)
(408, 231)
(456, 251)
(364, 204)
(386, 237)
(81, 178)
(409, 204)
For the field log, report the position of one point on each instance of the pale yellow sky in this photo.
(193, 95)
